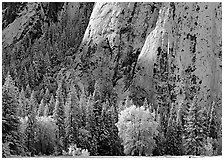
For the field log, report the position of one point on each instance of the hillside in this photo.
(91, 61)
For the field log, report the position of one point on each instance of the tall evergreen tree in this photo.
(10, 88)
(59, 117)
(69, 135)
(23, 104)
(31, 125)
(41, 108)
(90, 125)
(109, 143)
(40, 96)
(32, 77)
(10, 120)
(28, 91)
(173, 135)
(46, 110)
(51, 105)
(195, 130)
(47, 96)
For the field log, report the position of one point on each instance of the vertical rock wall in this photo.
(195, 37)
(113, 41)
(181, 60)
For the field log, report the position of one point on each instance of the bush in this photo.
(74, 151)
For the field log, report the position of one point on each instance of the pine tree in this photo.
(23, 104)
(109, 141)
(195, 130)
(28, 91)
(59, 117)
(32, 77)
(97, 109)
(10, 88)
(47, 96)
(31, 125)
(69, 138)
(173, 135)
(82, 107)
(25, 77)
(41, 108)
(46, 110)
(51, 105)
(73, 121)
(40, 96)
(10, 120)
(90, 125)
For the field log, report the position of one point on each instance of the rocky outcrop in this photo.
(34, 17)
(37, 19)
(181, 61)
(195, 45)
(15, 31)
(113, 40)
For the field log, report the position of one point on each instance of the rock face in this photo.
(32, 18)
(195, 45)
(181, 61)
(113, 40)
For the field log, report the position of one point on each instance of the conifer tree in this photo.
(51, 105)
(59, 117)
(195, 130)
(173, 135)
(46, 110)
(90, 125)
(10, 120)
(32, 78)
(31, 125)
(25, 77)
(10, 88)
(41, 108)
(109, 140)
(28, 91)
(73, 118)
(40, 96)
(82, 107)
(23, 104)
(97, 109)
(47, 96)
(69, 138)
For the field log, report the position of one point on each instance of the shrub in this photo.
(74, 151)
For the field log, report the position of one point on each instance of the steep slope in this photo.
(181, 61)
(113, 41)
(32, 35)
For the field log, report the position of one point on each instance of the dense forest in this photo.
(111, 79)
